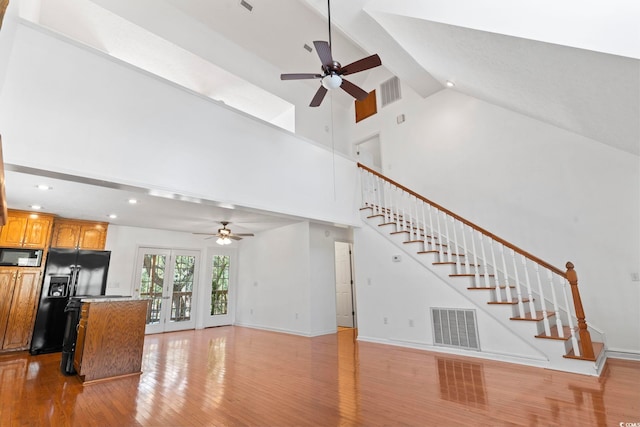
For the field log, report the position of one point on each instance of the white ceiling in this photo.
(574, 65)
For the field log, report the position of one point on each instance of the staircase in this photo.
(536, 301)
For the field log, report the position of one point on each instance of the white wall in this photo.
(556, 194)
(123, 242)
(273, 280)
(66, 102)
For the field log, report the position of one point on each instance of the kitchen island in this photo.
(110, 338)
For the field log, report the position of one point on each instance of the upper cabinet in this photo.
(26, 229)
(77, 234)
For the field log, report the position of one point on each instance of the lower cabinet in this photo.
(110, 339)
(19, 288)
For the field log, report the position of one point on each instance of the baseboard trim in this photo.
(624, 355)
(281, 330)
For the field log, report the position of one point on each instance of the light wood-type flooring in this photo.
(233, 376)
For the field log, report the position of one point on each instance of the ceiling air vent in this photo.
(308, 48)
(246, 5)
(455, 328)
(390, 91)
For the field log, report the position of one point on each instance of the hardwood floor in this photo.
(233, 376)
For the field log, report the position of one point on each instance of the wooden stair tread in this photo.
(528, 317)
(470, 275)
(512, 302)
(490, 288)
(598, 347)
(555, 335)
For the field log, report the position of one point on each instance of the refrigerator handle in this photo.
(75, 270)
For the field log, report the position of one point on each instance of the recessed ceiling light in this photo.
(113, 216)
(36, 207)
(450, 83)
(132, 201)
(44, 187)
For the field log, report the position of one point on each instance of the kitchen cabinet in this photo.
(77, 234)
(19, 288)
(26, 230)
(110, 338)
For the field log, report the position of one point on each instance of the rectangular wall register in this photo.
(110, 338)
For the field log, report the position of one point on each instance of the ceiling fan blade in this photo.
(361, 65)
(353, 90)
(234, 237)
(299, 76)
(244, 234)
(318, 97)
(324, 52)
(206, 234)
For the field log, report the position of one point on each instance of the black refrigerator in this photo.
(68, 273)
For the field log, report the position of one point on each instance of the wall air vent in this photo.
(308, 48)
(390, 91)
(455, 328)
(246, 5)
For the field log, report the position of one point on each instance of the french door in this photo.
(167, 278)
(220, 289)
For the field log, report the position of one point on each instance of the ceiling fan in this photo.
(225, 235)
(332, 71)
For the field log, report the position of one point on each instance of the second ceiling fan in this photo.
(332, 71)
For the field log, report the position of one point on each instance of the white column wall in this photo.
(71, 109)
(273, 280)
(556, 194)
(322, 281)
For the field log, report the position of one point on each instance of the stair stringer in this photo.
(546, 353)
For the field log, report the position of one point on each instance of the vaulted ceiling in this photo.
(571, 64)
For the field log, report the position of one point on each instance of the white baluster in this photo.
(388, 203)
(440, 239)
(556, 305)
(567, 307)
(475, 257)
(485, 261)
(496, 276)
(518, 287)
(417, 220)
(543, 303)
(532, 307)
(455, 247)
(424, 245)
(467, 255)
(431, 231)
(403, 222)
(447, 242)
(451, 245)
(506, 274)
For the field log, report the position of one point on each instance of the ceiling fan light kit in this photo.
(225, 236)
(332, 71)
(332, 81)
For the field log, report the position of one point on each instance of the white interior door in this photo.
(368, 153)
(345, 310)
(167, 278)
(220, 293)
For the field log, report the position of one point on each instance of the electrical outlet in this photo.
(296, 316)
(251, 311)
(411, 323)
(635, 277)
(384, 320)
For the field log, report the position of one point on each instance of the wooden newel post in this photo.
(586, 347)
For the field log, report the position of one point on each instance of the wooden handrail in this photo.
(469, 223)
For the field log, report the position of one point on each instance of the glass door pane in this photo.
(152, 286)
(168, 279)
(220, 288)
(220, 285)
